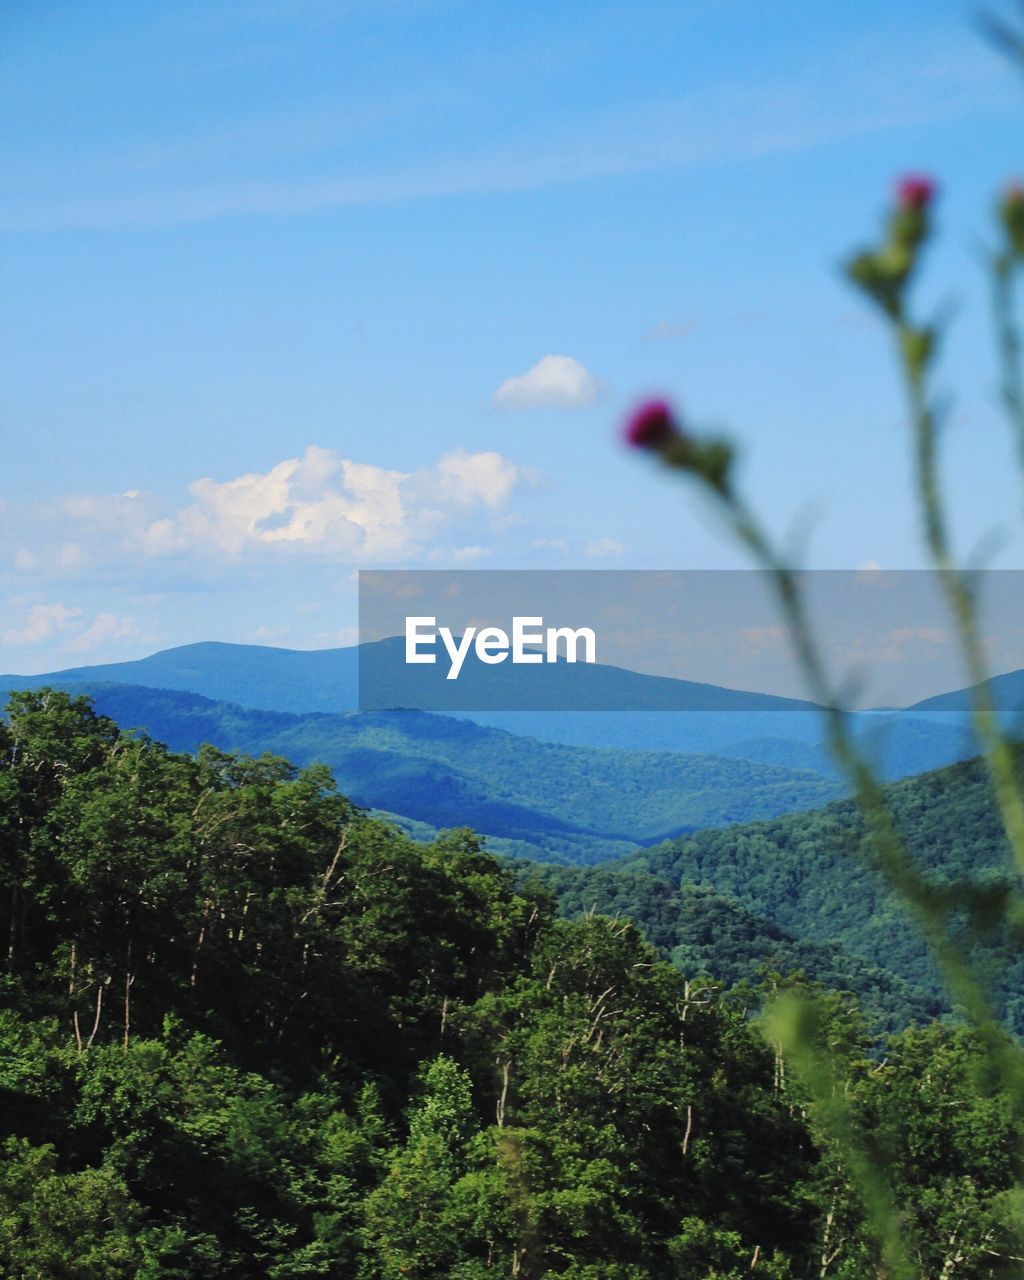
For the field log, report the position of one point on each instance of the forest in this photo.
(808, 873)
(531, 798)
(249, 1030)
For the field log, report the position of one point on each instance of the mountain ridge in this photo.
(568, 804)
(268, 678)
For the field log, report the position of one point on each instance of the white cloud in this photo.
(604, 548)
(106, 628)
(318, 500)
(461, 555)
(317, 505)
(51, 631)
(42, 622)
(469, 478)
(323, 502)
(553, 382)
(874, 575)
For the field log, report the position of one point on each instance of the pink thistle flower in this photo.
(915, 191)
(651, 425)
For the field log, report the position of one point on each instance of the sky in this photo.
(291, 288)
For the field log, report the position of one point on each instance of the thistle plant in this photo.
(1007, 270)
(884, 274)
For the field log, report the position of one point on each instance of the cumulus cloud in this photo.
(323, 502)
(554, 382)
(318, 505)
(470, 478)
(317, 501)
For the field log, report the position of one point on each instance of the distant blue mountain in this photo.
(1007, 693)
(256, 676)
(667, 715)
(270, 679)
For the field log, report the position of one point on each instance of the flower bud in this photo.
(651, 426)
(909, 226)
(916, 191)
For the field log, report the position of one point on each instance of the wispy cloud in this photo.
(863, 92)
(40, 622)
(666, 330)
(51, 633)
(604, 549)
(104, 630)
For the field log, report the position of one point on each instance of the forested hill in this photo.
(559, 803)
(705, 934)
(249, 1032)
(804, 871)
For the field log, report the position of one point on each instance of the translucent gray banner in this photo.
(616, 640)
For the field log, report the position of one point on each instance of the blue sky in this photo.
(282, 280)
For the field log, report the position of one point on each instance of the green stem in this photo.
(1008, 341)
(814, 1067)
(889, 857)
(995, 746)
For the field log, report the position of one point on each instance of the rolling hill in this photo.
(803, 872)
(707, 934)
(546, 800)
(1007, 692)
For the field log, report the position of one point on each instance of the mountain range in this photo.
(663, 715)
(747, 857)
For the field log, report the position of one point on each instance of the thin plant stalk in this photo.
(995, 745)
(709, 462)
(891, 859)
(785, 1023)
(1009, 345)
